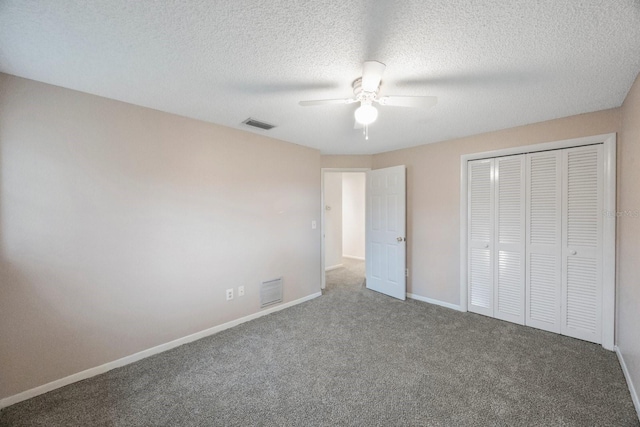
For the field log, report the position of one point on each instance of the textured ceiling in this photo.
(493, 64)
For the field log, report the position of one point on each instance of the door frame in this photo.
(609, 217)
(322, 218)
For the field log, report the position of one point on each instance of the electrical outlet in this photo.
(240, 291)
(229, 294)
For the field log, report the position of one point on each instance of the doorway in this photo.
(343, 226)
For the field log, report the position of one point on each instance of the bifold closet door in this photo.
(509, 247)
(535, 240)
(480, 241)
(582, 243)
(496, 237)
(544, 240)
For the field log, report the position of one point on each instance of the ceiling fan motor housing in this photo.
(363, 96)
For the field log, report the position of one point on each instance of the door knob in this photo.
(573, 252)
(399, 239)
(486, 246)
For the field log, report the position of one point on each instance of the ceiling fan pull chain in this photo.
(366, 132)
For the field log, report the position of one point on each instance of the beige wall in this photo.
(346, 161)
(433, 194)
(121, 227)
(333, 219)
(628, 239)
(353, 214)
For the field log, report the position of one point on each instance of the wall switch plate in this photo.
(229, 294)
(314, 225)
(240, 291)
(406, 272)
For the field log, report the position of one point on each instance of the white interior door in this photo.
(480, 242)
(509, 236)
(386, 231)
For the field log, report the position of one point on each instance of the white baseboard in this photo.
(627, 376)
(359, 258)
(333, 267)
(435, 301)
(92, 372)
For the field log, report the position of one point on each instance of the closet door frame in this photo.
(608, 216)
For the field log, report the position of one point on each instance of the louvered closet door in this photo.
(481, 220)
(544, 240)
(509, 238)
(582, 243)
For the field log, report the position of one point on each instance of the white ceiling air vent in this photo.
(258, 124)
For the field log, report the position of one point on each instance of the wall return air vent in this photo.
(258, 124)
(271, 292)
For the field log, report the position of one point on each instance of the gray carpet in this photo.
(353, 357)
(349, 277)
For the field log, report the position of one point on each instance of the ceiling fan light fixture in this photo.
(366, 114)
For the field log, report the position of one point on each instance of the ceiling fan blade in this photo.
(409, 101)
(327, 101)
(371, 75)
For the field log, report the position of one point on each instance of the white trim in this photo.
(544, 146)
(464, 195)
(609, 249)
(627, 376)
(434, 301)
(92, 372)
(359, 258)
(333, 267)
(323, 283)
(609, 245)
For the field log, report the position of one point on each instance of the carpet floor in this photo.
(353, 357)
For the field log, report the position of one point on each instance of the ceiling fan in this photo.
(365, 91)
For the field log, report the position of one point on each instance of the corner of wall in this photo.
(628, 234)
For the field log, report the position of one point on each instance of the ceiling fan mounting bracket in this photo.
(363, 96)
